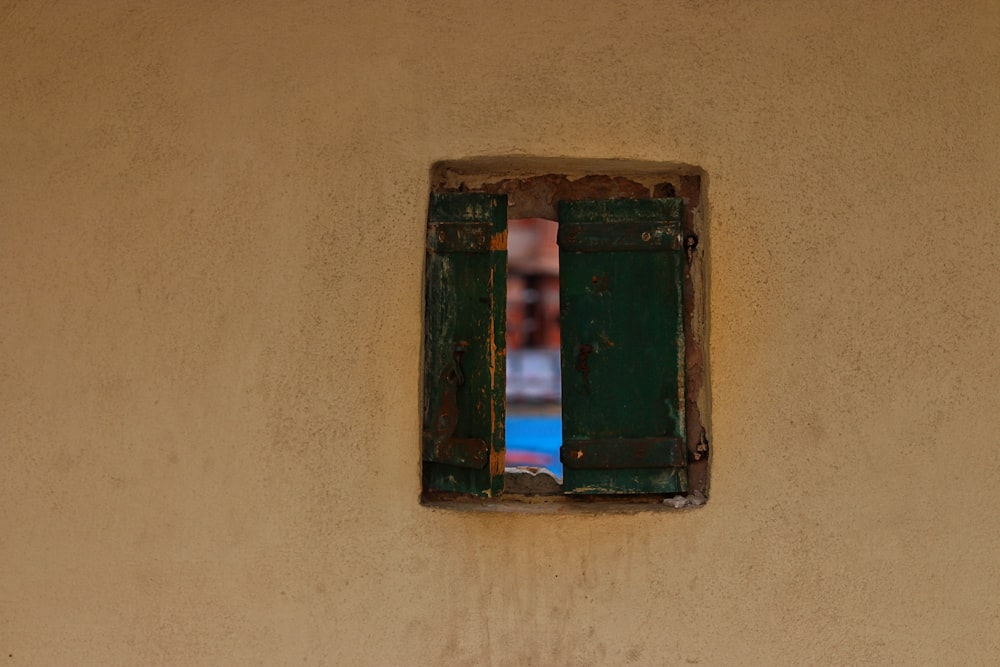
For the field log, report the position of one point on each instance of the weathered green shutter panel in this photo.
(621, 268)
(464, 343)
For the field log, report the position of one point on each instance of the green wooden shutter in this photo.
(621, 267)
(464, 343)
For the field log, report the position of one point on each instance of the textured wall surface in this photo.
(211, 228)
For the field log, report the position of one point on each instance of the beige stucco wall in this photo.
(210, 318)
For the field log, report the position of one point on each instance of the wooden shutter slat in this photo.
(621, 301)
(633, 236)
(459, 237)
(623, 453)
(464, 346)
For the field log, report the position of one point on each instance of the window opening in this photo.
(534, 389)
(582, 403)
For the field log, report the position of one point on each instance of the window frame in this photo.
(533, 187)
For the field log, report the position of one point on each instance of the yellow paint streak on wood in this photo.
(496, 463)
(496, 458)
(499, 241)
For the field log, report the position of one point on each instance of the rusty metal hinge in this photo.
(440, 444)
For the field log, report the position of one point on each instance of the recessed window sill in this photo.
(536, 491)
